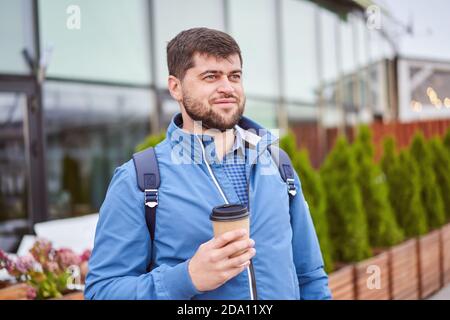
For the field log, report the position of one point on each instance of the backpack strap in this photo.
(147, 174)
(284, 164)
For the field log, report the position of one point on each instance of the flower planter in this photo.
(51, 272)
(414, 269)
(445, 251)
(20, 291)
(341, 283)
(372, 278)
(17, 291)
(429, 263)
(404, 273)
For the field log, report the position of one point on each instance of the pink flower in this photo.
(51, 266)
(4, 259)
(66, 257)
(85, 255)
(31, 293)
(24, 264)
(11, 268)
(42, 251)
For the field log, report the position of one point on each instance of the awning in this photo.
(343, 7)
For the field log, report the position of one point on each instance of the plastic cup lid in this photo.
(229, 212)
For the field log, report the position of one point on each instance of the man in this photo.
(212, 155)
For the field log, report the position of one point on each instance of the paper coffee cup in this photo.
(230, 217)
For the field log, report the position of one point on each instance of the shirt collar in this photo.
(239, 142)
(188, 146)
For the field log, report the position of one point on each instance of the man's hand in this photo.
(211, 267)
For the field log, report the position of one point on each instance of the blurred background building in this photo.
(75, 99)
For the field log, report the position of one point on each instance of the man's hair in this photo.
(181, 49)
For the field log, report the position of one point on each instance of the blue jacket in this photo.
(288, 263)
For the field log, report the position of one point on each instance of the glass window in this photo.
(174, 16)
(363, 59)
(90, 131)
(300, 58)
(13, 171)
(361, 32)
(433, 91)
(12, 37)
(347, 46)
(329, 23)
(252, 24)
(112, 43)
(379, 46)
(330, 67)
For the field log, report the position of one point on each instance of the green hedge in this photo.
(345, 212)
(430, 193)
(440, 159)
(383, 228)
(150, 141)
(314, 194)
(446, 141)
(402, 176)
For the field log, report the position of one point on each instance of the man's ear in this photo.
(174, 86)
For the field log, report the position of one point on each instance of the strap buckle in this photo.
(151, 197)
(292, 190)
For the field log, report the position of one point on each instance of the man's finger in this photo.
(235, 247)
(227, 237)
(240, 260)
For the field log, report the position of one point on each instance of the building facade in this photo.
(82, 82)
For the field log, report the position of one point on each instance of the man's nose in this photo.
(225, 86)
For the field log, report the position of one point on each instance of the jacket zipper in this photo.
(251, 268)
(250, 271)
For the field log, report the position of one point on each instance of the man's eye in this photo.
(210, 77)
(236, 76)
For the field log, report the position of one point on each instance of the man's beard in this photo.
(212, 118)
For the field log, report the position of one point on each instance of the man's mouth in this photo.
(225, 101)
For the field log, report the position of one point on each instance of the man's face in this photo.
(212, 91)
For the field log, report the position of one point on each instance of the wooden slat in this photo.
(362, 290)
(341, 284)
(408, 296)
(406, 246)
(407, 280)
(14, 292)
(406, 287)
(399, 270)
(404, 265)
(345, 293)
(445, 234)
(401, 264)
(341, 277)
(429, 289)
(429, 259)
(431, 280)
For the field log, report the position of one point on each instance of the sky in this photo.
(431, 27)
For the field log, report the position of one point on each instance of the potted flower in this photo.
(45, 272)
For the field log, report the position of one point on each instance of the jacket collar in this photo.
(250, 137)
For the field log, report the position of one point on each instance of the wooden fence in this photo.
(307, 135)
(414, 269)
